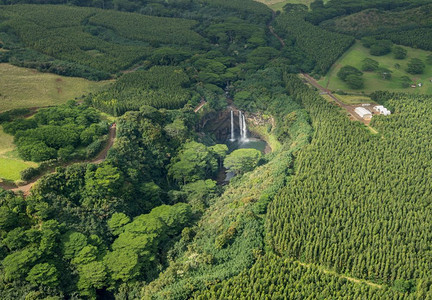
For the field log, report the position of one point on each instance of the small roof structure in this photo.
(363, 113)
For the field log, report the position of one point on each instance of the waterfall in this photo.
(232, 127)
(242, 127)
(244, 132)
(241, 124)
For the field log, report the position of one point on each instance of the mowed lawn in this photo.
(21, 88)
(10, 163)
(373, 82)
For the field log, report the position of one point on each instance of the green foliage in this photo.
(104, 41)
(381, 47)
(242, 160)
(56, 132)
(369, 65)
(416, 66)
(117, 221)
(148, 28)
(198, 193)
(346, 71)
(322, 46)
(161, 87)
(336, 8)
(385, 73)
(405, 81)
(416, 38)
(93, 276)
(72, 243)
(194, 162)
(43, 274)
(229, 236)
(106, 180)
(399, 52)
(19, 263)
(136, 246)
(287, 278)
(354, 81)
(373, 232)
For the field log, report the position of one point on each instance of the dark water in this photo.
(249, 143)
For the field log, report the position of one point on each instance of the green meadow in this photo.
(10, 163)
(372, 81)
(23, 88)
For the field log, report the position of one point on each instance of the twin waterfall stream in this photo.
(242, 125)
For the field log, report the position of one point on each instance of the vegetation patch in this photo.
(321, 46)
(10, 163)
(58, 132)
(25, 88)
(161, 87)
(400, 79)
(375, 21)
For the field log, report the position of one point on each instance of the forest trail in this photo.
(282, 42)
(352, 279)
(202, 103)
(97, 160)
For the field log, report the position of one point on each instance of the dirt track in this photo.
(348, 108)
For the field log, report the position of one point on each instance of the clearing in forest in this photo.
(10, 163)
(372, 80)
(279, 4)
(24, 88)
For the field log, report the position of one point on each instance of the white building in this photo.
(363, 113)
(382, 110)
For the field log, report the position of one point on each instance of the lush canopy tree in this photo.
(399, 52)
(44, 274)
(345, 71)
(369, 65)
(242, 160)
(416, 66)
(195, 161)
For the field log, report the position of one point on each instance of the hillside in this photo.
(209, 149)
(373, 80)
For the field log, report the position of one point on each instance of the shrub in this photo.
(416, 66)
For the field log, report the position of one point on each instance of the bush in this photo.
(345, 71)
(9, 115)
(416, 66)
(95, 147)
(399, 52)
(380, 48)
(29, 173)
(369, 65)
(355, 81)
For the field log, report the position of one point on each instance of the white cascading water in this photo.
(232, 139)
(244, 129)
(241, 124)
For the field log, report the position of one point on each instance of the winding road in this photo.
(97, 160)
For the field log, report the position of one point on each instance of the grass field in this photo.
(279, 4)
(354, 99)
(10, 163)
(373, 82)
(21, 87)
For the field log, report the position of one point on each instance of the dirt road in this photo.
(97, 160)
(202, 103)
(281, 41)
(348, 108)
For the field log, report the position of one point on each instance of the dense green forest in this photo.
(334, 211)
(309, 38)
(160, 87)
(67, 132)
